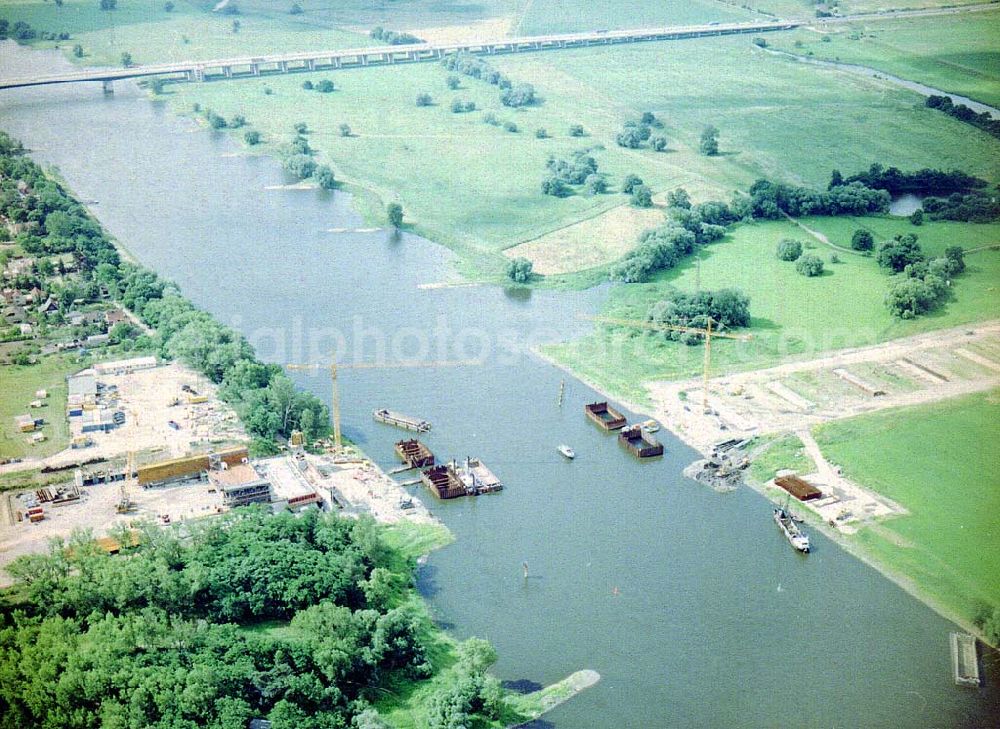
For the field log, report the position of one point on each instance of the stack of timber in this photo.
(401, 421)
(639, 442)
(964, 661)
(605, 416)
(414, 454)
(799, 488)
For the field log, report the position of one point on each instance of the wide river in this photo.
(689, 603)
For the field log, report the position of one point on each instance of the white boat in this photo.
(567, 451)
(792, 533)
(650, 426)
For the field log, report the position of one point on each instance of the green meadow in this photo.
(792, 316)
(476, 187)
(939, 462)
(566, 16)
(958, 53)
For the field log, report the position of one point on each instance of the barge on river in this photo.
(605, 416)
(401, 421)
(964, 659)
(640, 442)
(791, 530)
(451, 480)
(414, 454)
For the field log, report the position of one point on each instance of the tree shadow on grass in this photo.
(522, 686)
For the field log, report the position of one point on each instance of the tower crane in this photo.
(334, 367)
(708, 332)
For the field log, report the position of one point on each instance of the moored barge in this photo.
(401, 421)
(414, 454)
(640, 442)
(605, 416)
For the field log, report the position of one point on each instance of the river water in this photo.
(689, 603)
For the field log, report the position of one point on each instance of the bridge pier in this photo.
(227, 71)
(255, 69)
(108, 87)
(311, 64)
(283, 66)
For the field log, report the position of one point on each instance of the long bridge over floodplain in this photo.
(276, 63)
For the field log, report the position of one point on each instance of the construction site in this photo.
(727, 418)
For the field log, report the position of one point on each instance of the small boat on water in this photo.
(650, 426)
(793, 534)
(567, 451)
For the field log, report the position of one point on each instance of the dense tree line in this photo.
(22, 31)
(157, 637)
(580, 169)
(636, 133)
(262, 395)
(394, 37)
(972, 207)
(511, 94)
(725, 307)
(769, 200)
(982, 120)
(920, 182)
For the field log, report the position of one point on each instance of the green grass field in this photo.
(784, 452)
(939, 462)
(566, 16)
(475, 187)
(792, 315)
(18, 384)
(957, 53)
(150, 34)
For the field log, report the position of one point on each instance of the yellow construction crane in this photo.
(335, 393)
(707, 332)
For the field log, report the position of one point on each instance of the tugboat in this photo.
(792, 533)
(650, 426)
(567, 451)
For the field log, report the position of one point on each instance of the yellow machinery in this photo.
(707, 332)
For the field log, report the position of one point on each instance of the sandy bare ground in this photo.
(145, 397)
(589, 243)
(746, 404)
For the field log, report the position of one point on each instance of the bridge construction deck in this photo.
(253, 66)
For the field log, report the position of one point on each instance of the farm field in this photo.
(957, 53)
(939, 462)
(19, 384)
(476, 187)
(793, 316)
(150, 34)
(565, 16)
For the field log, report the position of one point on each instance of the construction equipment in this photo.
(335, 393)
(707, 332)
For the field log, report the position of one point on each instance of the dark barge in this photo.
(640, 443)
(414, 454)
(799, 488)
(605, 416)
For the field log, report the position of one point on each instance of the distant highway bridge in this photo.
(253, 66)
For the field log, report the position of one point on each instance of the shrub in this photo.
(555, 186)
(300, 165)
(576, 130)
(300, 128)
(862, 240)
(296, 9)
(510, 127)
(541, 133)
(307, 85)
(491, 119)
(910, 297)
(658, 144)
(642, 197)
(789, 250)
(900, 252)
(325, 177)
(631, 182)
(345, 130)
(325, 86)
(238, 121)
(810, 265)
(252, 137)
(424, 99)
(917, 218)
(519, 270)
(595, 184)
(518, 95)
(453, 82)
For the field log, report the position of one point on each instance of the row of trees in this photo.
(661, 248)
(22, 31)
(772, 200)
(511, 94)
(972, 207)
(262, 395)
(157, 638)
(393, 37)
(982, 120)
(925, 181)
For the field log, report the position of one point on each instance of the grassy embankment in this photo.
(792, 315)
(939, 462)
(567, 16)
(475, 187)
(19, 384)
(957, 53)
